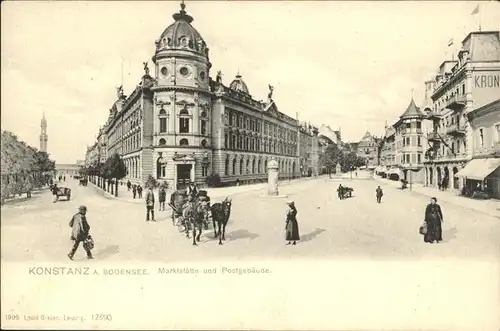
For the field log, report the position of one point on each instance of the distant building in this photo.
(43, 134)
(367, 149)
(67, 170)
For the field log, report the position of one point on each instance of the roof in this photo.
(239, 85)
(412, 111)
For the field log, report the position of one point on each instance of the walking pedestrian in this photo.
(291, 226)
(80, 231)
(134, 190)
(379, 193)
(139, 191)
(129, 185)
(162, 196)
(150, 204)
(433, 220)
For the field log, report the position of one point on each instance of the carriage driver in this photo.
(192, 191)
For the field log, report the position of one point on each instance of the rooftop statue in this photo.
(146, 69)
(270, 95)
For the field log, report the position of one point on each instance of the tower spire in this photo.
(182, 14)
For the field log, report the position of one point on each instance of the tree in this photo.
(331, 157)
(350, 161)
(115, 168)
(151, 182)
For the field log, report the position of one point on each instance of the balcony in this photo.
(433, 137)
(456, 130)
(434, 116)
(456, 102)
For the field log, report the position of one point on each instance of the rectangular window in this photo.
(419, 158)
(419, 125)
(419, 142)
(203, 129)
(225, 141)
(163, 125)
(407, 141)
(184, 125)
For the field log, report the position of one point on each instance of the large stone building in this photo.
(368, 149)
(183, 126)
(484, 168)
(463, 85)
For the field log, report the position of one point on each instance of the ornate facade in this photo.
(368, 149)
(183, 126)
(460, 87)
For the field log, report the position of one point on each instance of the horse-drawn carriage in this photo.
(345, 192)
(59, 191)
(179, 201)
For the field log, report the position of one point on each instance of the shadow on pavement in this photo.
(240, 234)
(108, 251)
(312, 235)
(449, 234)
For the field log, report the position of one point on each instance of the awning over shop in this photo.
(479, 169)
(395, 171)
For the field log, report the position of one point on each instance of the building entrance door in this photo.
(183, 175)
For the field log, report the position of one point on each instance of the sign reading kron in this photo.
(487, 81)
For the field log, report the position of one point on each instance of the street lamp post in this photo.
(410, 175)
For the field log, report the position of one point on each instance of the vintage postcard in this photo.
(250, 165)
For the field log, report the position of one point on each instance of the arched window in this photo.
(247, 169)
(184, 142)
(259, 166)
(241, 167)
(233, 172)
(226, 167)
(265, 165)
(253, 167)
(184, 121)
(163, 112)
(162, 142)
(204, 143)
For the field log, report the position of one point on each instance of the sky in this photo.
(350, 65)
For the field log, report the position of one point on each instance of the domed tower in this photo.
(239, 85)
(182, 104)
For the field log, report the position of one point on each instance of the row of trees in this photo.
(23, 167)
(106, 174)
(333, 155)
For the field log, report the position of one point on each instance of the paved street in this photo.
(332, 229)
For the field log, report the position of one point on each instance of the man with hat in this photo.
(192, 190)
(80, 231)
(291, 227)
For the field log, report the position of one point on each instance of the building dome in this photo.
(239, 85)
(181, 35)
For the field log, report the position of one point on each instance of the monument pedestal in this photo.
(272, 181)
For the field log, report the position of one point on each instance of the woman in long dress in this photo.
(292, 227)
(433, 220)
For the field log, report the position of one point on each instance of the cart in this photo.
(61, 192)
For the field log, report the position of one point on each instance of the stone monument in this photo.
(338, 170)
(272, 180)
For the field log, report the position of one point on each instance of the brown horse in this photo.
(193, 214)
(220, 215)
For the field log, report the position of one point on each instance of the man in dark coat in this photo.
(433, 220)
(129, 185)
(134, 191)
(162, 196)
(139, 191)
(79, 231)
(379, 193)
(150, 205)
